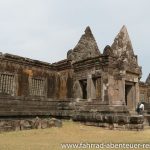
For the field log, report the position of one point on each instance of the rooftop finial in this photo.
(88, 30)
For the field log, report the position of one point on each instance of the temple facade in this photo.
(89, 81)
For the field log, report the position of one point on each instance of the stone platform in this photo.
(111, 121)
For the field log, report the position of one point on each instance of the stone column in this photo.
(137, 94)
(104, 88)
(77, 90)
(123, 92)
(91, 91)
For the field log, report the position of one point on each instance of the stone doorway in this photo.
(83, 84)
(130, 96)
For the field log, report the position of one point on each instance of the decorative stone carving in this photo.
(108, 51)
(36, 87)
(148, 80)
(122, 43)
(123, 50)
(7, 82)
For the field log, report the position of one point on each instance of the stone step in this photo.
(132, 112)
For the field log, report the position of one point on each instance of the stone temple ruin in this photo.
(100, 89)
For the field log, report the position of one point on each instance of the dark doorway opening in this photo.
(94, 82)
(83, 84)
(130, 95)
(127, 93)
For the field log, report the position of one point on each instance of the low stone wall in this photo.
(26, 124)
(110, 121)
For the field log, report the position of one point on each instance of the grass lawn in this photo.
(71, 132)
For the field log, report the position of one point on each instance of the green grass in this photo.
(71, 132)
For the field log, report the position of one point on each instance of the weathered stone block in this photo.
(58, 123)
(44, 124)
(121, 120)
(16, 125)
(25, 125)
(108, 118)
(136, 127)
(136, 119)
(37, 123)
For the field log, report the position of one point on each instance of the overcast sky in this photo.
(46, 29)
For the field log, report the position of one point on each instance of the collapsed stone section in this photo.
(28, 123)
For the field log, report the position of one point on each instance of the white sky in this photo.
(46, 29)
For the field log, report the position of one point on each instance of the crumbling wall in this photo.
(27, 124)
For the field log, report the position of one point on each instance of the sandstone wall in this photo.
(30, 87)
